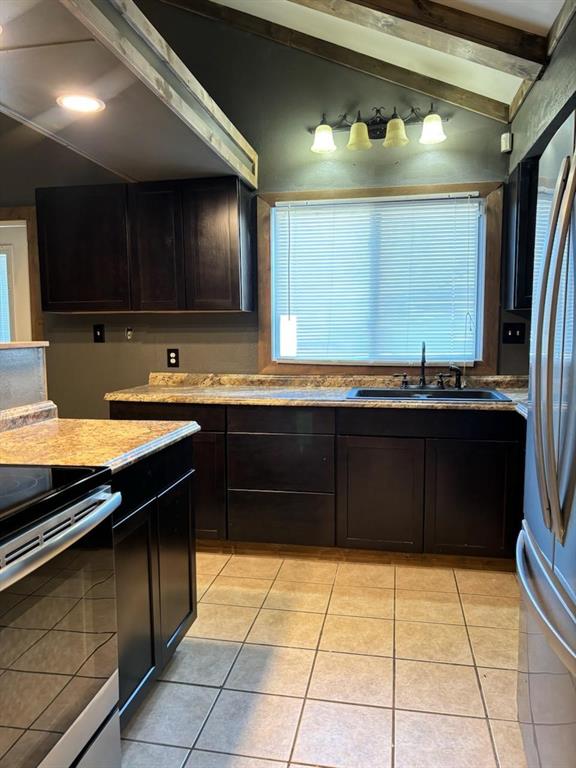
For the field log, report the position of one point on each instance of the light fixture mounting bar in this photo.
(378, 122)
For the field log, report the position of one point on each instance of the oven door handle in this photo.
(41, 544)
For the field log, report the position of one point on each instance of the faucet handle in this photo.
(404, 377)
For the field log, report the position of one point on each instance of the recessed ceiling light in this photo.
(80, 103)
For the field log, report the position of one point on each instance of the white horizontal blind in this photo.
(5, 333)
(369, 280)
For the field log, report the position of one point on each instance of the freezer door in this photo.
(547, 663)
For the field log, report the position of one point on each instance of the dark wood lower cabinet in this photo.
(473, 497)
(281, 517)
(210, 485)
(138, 599)
(176, 563)
(380, 499)
(154, 546)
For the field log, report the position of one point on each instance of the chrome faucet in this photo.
(422, 381)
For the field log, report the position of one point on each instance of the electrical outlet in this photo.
(173, 358)
(514, 333)
(98, 334)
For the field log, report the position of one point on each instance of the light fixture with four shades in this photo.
(391, 129)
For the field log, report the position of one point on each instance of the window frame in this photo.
(8, 251)
(492, 192)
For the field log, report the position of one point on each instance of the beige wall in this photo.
(80, 372)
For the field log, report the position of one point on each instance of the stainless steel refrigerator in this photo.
(546, 549)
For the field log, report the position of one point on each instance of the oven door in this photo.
(58, 651)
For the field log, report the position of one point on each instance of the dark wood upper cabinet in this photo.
(157, 249)
(520, 215)
(217, 245)
(83, 242)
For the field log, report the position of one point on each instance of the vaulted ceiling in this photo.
(482, 55)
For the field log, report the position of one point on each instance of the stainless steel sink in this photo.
(426, 394)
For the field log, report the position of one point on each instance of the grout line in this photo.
(221, 688)
(478, 682)
(306, 692)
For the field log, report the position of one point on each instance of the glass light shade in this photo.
(432, 130)
(359, 138)
(323, 140)
(80, 103)
(396, 133)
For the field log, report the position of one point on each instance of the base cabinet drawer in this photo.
(283, 518)
(380, 493)
(303, 463)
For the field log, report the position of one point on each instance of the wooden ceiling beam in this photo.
(448, 30)
(434, 89)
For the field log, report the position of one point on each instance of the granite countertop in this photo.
(321, 391)
(90, 442)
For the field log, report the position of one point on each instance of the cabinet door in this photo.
(82, 239)
(472, 504)
(520, 212)
(157, 253)
(136, 557)
(380, 499)
(210, 485)
(215, 253)
(176, 563)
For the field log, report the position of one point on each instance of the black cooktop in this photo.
(30, 493)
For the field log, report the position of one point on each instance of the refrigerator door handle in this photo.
(550, 460)
(568, 653)
(537, 399)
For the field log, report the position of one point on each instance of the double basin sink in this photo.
(415, 393)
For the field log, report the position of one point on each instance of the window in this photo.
(366, 281)
(5, 319)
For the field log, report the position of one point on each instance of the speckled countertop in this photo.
(323, 391)
(90, 442)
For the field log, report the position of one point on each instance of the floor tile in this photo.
(203, 581)
(210, 563)
(201, 662)
(495, 647)
(435, 607)
(200, 759)
(171, 714)
(488, 611)
(222, 622)
(227, 590)
(434, 741)
(252, 724)
(365, 575)
(362, 601)
(298, 596)
(252, 567)
(344, 736)
(267, 669)
(444, 688)
(509, 744)
(288, 628)
(311, 571)
(432, 642)
(428, 579)
(136, 754)
(487, 583)
(351, 634)
(499, 687)
(352, 679)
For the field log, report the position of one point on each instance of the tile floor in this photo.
(344, 665)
